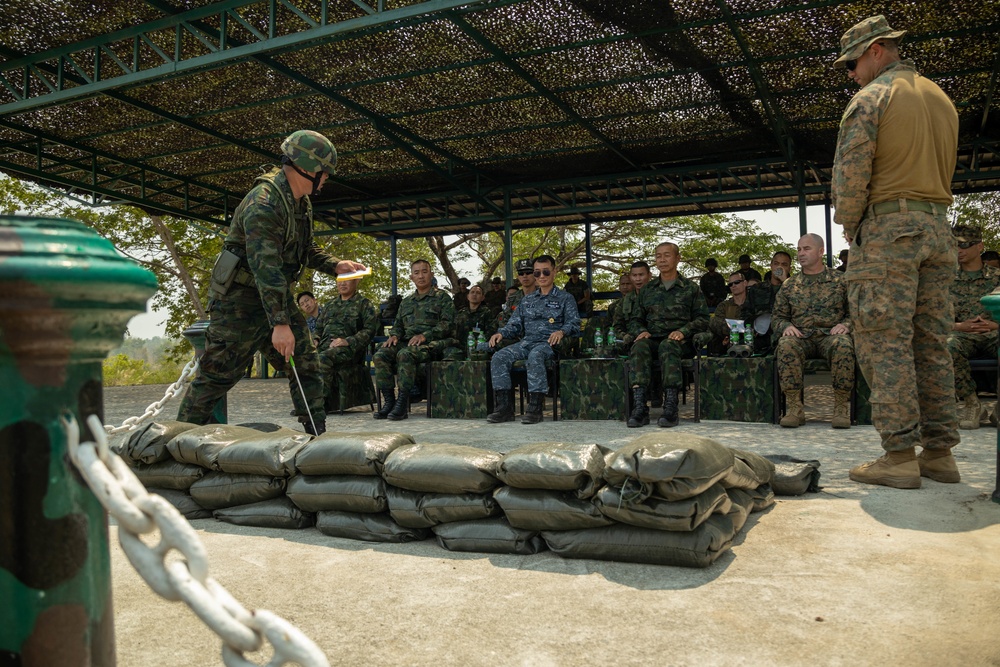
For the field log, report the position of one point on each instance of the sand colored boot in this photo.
(939, 465)
(841, 409)
(899, 470)
(795, 413)
(969, 417)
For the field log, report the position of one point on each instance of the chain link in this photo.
(137, 513)
(156, 407)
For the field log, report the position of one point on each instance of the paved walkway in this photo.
(853, 575)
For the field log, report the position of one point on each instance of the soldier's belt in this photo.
(906, 205)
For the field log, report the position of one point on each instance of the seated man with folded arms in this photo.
(349, 324)
(811, 321)
(424, 328)
(974, 334)
(669, 312)
(542, 320)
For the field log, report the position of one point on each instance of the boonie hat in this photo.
(857, 40)
(574, 271)
(967, 233)
(524, 265)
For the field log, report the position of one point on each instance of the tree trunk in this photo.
(181, 271)
(440, 250)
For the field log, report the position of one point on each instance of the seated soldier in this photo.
(668, 313)
(760, 301)
(616, 317)
(425, 325)
(542, 320)
(730, 309)
(974, 334)
(477, 318)
(349, 324)
(314, 314)
(811, 319)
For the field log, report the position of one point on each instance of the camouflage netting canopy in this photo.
(456, 115)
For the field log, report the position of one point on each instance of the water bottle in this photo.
(734, 336)
(598, 338)
(748, 337)
(611, 337)
(482, 338)
(470, 343)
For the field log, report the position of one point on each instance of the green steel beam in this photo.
(17, 76)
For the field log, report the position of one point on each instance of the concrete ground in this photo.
(853, 575)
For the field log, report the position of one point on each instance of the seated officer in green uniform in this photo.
(730, 309)
(349, 324)
(475, 319)
(974, 333)
(269, 241)
(669, 312)
(423, 330)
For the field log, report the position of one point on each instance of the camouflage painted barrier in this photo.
(460, 390)
(737, 389)
(593, 389)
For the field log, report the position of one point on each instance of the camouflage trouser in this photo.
(670, 353)
(334, 359)
(902, 266)
(239, 328)
(791, 354)
(965, 346)
(538, 356)
(401, 360)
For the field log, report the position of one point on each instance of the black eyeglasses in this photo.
(524, 273)
(735, 282)
(851, 65)
(964, 245)
(542, 272)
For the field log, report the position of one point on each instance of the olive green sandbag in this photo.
(201, 445)
(749, 471)
(217, 490)
(631, 544)
(660, 514)
(184, 503)
(493, 536)
(335, 453)
(423, 510)
(273, 513)
(556, 466)
(440, 468)
(367, 527)
(264, 454)
(538, 509)
(763, 497)
(672, 466)
(169, 475)
(148, 444)
(344, 493)
(742, 506)
(792, 476)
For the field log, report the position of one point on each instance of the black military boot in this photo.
(640, 411)
(504, 411)
(402, 408)
(388, 401)
(320, 427)
(534, 413)
(669, 416)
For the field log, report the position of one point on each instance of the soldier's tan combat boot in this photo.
(795, 413)
(841, 409)
(939, 465)
(899, 470)
(969, 417)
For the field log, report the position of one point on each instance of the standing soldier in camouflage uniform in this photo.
(580, 291)
(425, 325)
(891, 187)
(269, 241)
(760, 300)
(810, 320)
(496, 296)
(669, 312)
(349, 324)
(974, 333)
(542, 319)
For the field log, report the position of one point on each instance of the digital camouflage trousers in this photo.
(965, 346)
(791, 354)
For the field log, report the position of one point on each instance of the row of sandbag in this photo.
(675, 500)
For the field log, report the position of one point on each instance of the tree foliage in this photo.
(981, 210)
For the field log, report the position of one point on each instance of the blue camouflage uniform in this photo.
(537, 317)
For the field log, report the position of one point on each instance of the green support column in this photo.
(66, 297)
(992, 303)
(196, 335)
(508, 251)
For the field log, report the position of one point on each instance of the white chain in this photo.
(138, 512)
(156, 407)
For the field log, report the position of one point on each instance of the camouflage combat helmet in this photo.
(310, 151)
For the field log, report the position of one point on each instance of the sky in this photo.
(783, 222)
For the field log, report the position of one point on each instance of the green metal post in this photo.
(508, 250)
(196, 335)
(66, 297)
(992, 303)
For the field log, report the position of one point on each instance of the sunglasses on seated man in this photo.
(542, 272)
(965, 245)
(735, 282)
